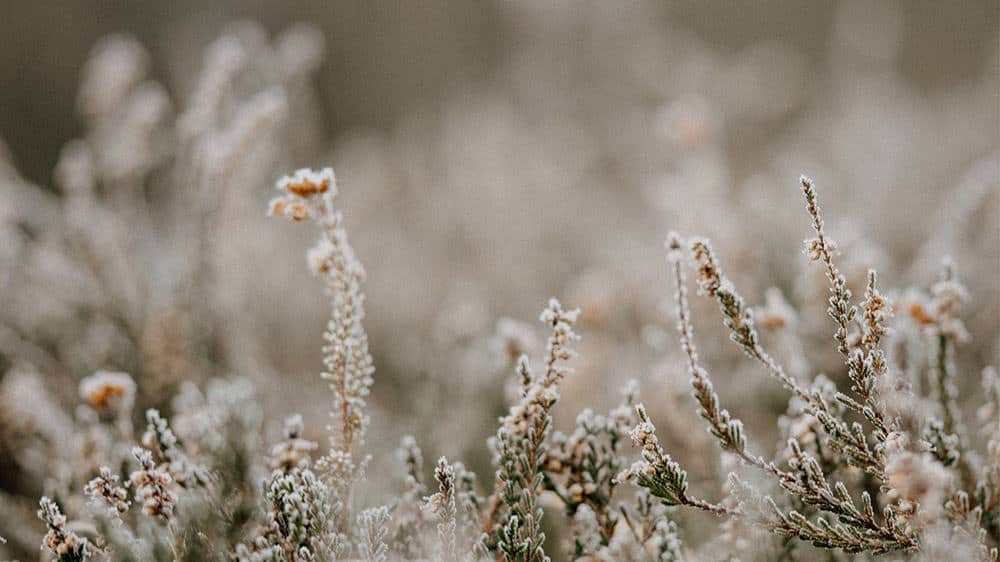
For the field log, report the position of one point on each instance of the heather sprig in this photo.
(865, 366)
(160, 439)
(373, 529)
(309, 194)
(657, 472)
(408, 515)
(947, 333)
(443, 506)
(300, 518)
(822, 249)
(61, 542)
(106, 490)
(521, 444)
(582, 470)
(153, 486)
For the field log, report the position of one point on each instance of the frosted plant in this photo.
(301, 516)
(153, 486)
(61, 542)
(161, 439)
(137, 260)
(106, 490)
(917, 490)
(582, 470)
(444, 507)
(646, 534)
(409, 514)
(521, 444)
(309, 195)
(373, 529)
(110, 394)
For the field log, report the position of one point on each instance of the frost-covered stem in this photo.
(947, 392)
(106, 490)
(659, 473)
(62, 542)
(821, 248)
(347, 341)
(867, 365)
(445, 508)
(864, 366)
(373, 528)
(739, 320)
(949, 293)
(728, 430)
(738, 317)
(521, 442)
(347, 361)
(713, 508)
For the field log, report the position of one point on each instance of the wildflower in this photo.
(306, 183)
(109, 393)
(521, 441)
(66, 545)
(301, 190)
(105, 489)
(153, 486)
(347, 361)
(160, 438)
(290, 208)
(948, 294)
(916, 306)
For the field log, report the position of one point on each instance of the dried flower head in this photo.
(307, 194)
(306, 183)
(153, 487)
(66, 545)
(109, 393)
(106, 490)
